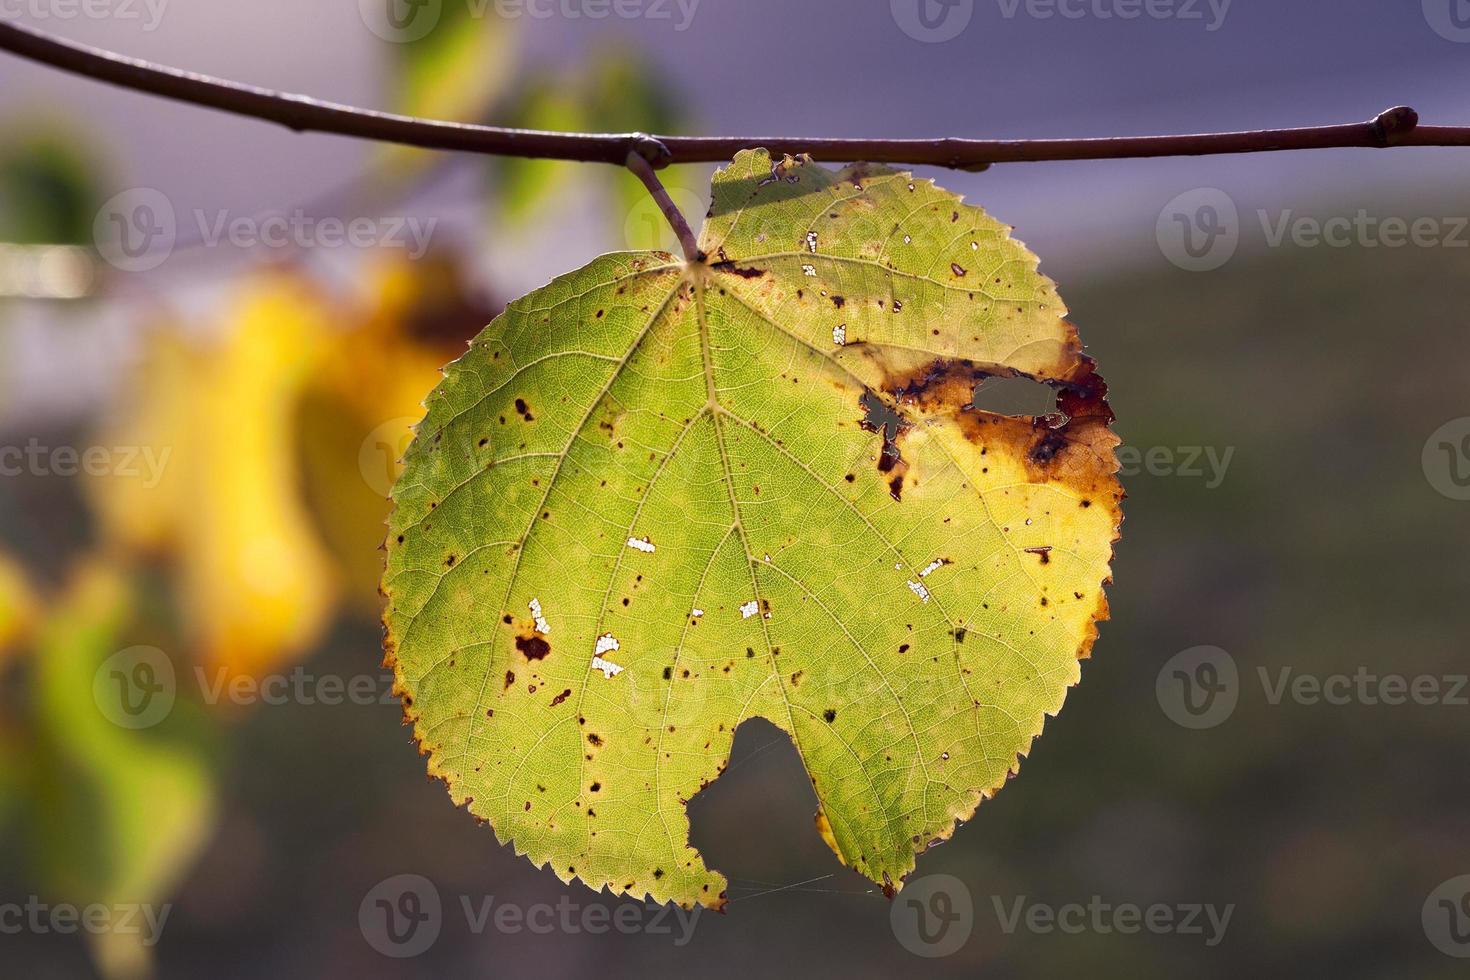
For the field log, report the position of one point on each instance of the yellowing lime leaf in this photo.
(649, 504)
(220, 489)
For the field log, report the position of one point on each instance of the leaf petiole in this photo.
(643, 170)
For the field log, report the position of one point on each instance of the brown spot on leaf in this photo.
(742, 272)
(533, 647)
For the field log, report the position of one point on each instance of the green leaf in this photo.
(648, 504)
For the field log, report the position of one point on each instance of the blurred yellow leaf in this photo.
(140, 510)
(256, 586)
(356, 414)
(17, 605)
(124, 801)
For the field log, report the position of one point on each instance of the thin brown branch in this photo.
(1394, 127)
(644, 172)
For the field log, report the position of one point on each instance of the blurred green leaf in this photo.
(617, 91)
(120, 813)
(458, 71)
(524, 186)
(48, 191)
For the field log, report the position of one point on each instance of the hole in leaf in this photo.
(1015, 396)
